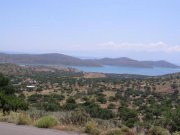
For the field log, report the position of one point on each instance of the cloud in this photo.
(141, 47)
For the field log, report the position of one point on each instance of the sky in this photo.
(139, 29)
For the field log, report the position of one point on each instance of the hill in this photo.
(103, 98)
(123, 61)
(61, 59)
(51, 58)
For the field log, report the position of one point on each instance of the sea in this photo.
(156, 71)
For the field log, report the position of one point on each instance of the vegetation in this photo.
(46, 122)
(24, 119)
(91, 128)
(8, 99)
(120, 131)
(98, 105)
(158, 131)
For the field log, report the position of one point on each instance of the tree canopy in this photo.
(8, 100)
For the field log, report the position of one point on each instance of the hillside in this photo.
(51, 58)
(120, 62)
(123, 61)
(12, 69)
(106, 99)
(61, 59)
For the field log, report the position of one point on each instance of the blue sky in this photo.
(140, 29)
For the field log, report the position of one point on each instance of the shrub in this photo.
(111, 106)
(176, 133)
(101, 99)
(128, 116)
(51, 106)
(114, 132)
(126, 131)
(105, 114)
(71, 100)
(70, 106)
(119, 131)
(46, 122)
(24, 119)
(91, 128)
(158, 131)
(79, 116)
(95, 111)
(11, 118)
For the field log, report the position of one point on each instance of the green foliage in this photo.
(8, 99)
(111, 106)
(176, 133)
(4, 81)
(51, 106)
(172, 120)
(158, 131)
(46, 122)
(95, 111)
(45, 102)
(101, 99)
(157, 109)
(70, 104)
(71, 100)
(11, 102)
(91, 128)
(105, 114)
(128, 116)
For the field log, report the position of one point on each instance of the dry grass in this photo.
(46, 122)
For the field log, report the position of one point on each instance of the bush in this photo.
(158, 131)
(111, 106)
(51, 106)
(11, 118)
(91, 128)
(71, 100)
(8, 100)
(79, 116)
(114, 132)
(24, 119)
(46, 122)
(105, 114)
(119, 131)
(70, 106)
(176, 133)
(128, 116)
(95, 111)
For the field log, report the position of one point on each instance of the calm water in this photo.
(129, 70)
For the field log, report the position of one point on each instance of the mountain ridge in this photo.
(62, 59)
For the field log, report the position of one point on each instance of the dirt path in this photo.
(12, 129)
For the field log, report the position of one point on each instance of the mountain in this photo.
(120, 62)
(50, 58)
(61, 59)
(161, 63)
(123, 61)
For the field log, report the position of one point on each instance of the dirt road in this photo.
(12, 129)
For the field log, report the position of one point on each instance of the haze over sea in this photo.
(129, 70)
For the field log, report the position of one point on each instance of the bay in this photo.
(129, 70)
